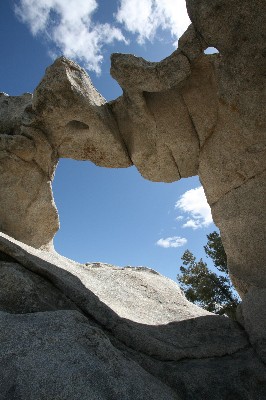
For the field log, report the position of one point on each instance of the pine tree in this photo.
(211, 291)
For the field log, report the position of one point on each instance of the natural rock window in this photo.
(116, 216)
(190, 114)
(211, 50)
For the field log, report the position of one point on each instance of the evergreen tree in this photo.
(211, 291)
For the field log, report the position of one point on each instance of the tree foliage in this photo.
(209, 290)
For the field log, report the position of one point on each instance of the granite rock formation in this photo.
(100, 332)
(27, 166)
(189, 114)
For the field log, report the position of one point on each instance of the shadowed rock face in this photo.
(186, 115)
(101, 332)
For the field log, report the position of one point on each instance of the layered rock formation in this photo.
(186, 115)
(100, 332)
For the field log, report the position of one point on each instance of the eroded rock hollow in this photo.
(190, 114)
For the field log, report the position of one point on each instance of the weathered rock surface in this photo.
(188, 114)
(233, 160)
(73, 359)
(23, 291)
(241, 217)
(110, 333)
(253, 316)
(106, 293)
(76, 119)
(11, 112)
(27, 165)
(99, 332)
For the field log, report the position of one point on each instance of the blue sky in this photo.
(107, 215)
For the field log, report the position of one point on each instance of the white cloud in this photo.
(179, 218)
(145, 17)
(174, 241)
(68, 24)
(194, 203)
(70, 28)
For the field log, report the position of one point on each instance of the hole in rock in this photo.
(211, 50)
(77, 125)
(117, 217)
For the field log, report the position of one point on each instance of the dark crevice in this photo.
(191, 119)
(174, 161)
(6, 258)
(185, 55)
(77, 125)
(109, 106)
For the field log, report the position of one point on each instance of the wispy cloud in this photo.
(68, 25)
(194, 204)
(174, 241)
(145, 17)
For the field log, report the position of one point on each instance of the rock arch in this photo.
(189, 114)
